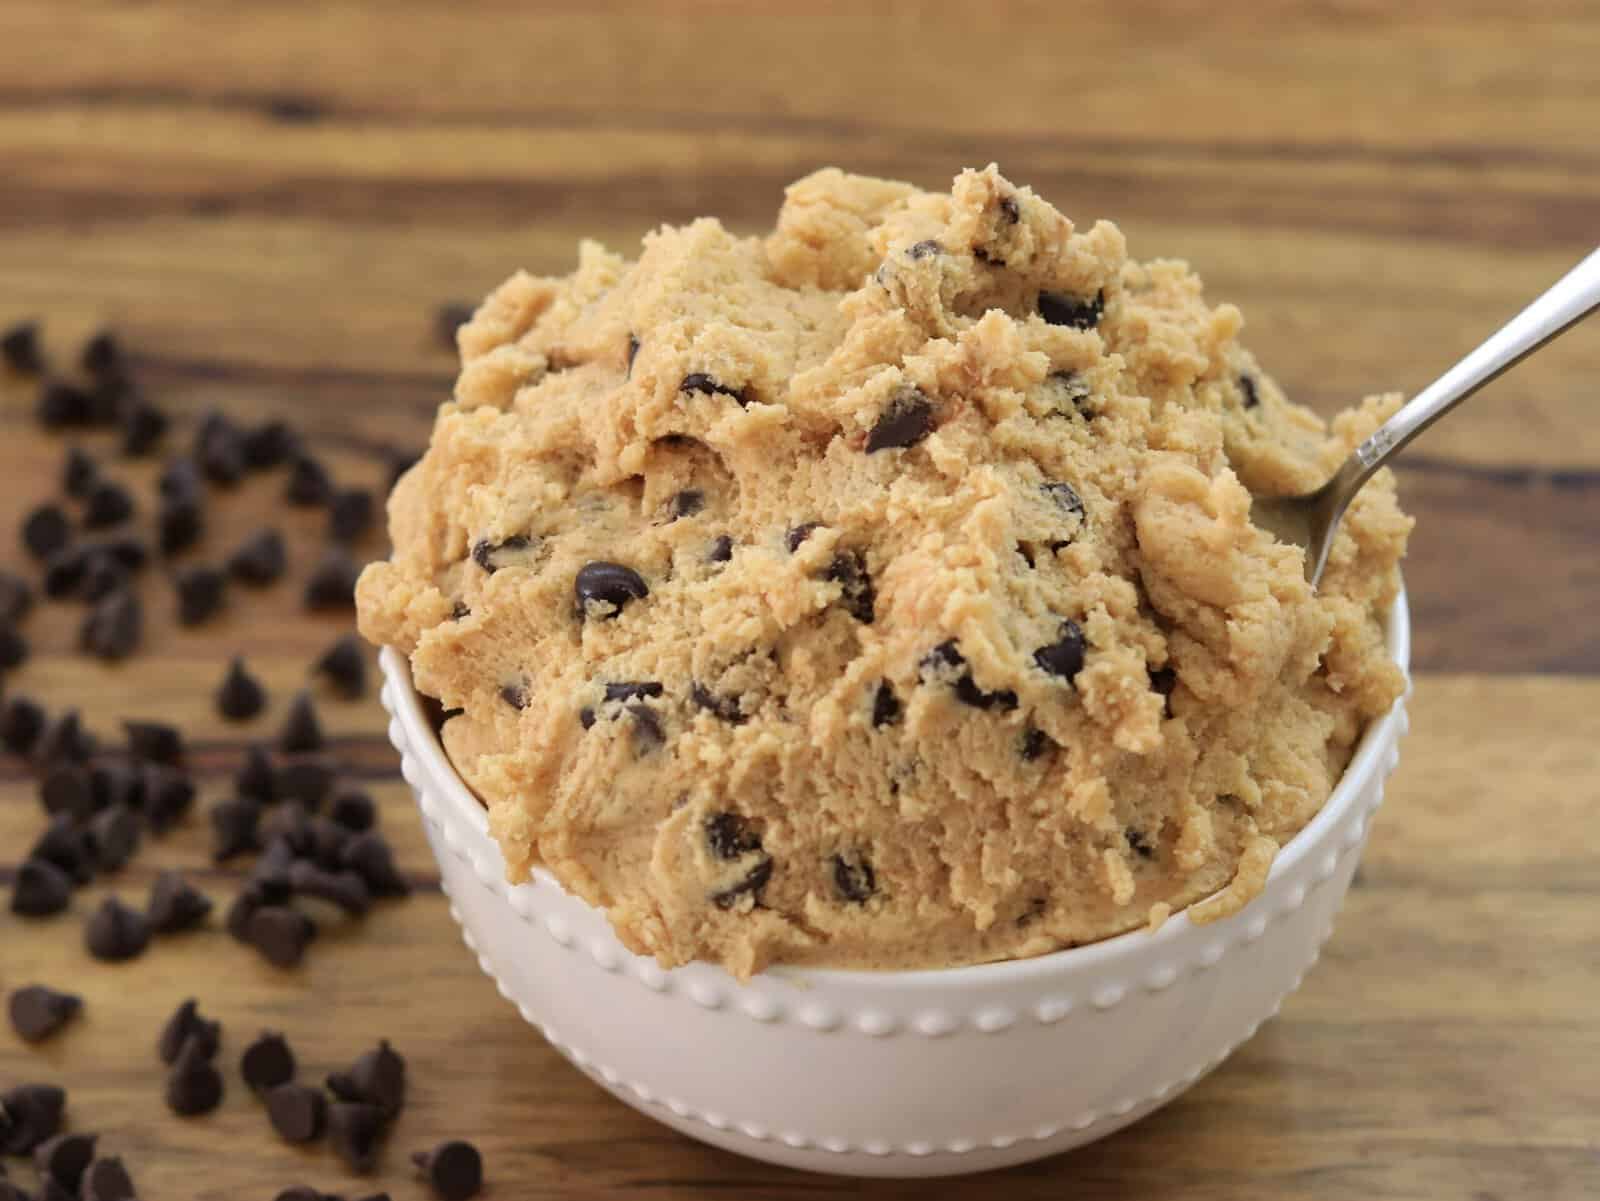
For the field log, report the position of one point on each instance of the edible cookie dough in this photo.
(882, 592)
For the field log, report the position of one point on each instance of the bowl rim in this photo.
(423, 740)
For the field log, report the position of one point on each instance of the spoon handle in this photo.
(1569, 301)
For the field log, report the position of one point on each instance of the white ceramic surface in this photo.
(896, 1073)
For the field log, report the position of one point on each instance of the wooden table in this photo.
(268, 201)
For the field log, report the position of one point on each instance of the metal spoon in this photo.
(1311, 521)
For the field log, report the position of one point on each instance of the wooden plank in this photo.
(1444, 1046)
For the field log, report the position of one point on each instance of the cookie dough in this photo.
(882, 592)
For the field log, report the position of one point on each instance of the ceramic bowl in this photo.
(917, 1073)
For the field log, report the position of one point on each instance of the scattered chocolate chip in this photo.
(328, 841)
(200, 593)
(114, 834)
(269, 445)
(107, 1180)
(796, 535)
(64, 740)
(101, 354)
(332, 583)
(102, 576)
(699, 381)
(301, 730)
(115, 780)
(62, 404)
(344, 665)
(180, 480)
(1079, 312)
(114, 627)
(64, 1159)
(20, 349)
(454, 1169)
(370, 857)
(128, 553)
(79, 472)
(686, 503)
(154, 741)
(219, 449)
(260, 560)
(176, 905)
(267, 1062)
(447, 319)
(344, 889)
(854, 878)
(849, 571)
(29, 1115)
(235, 824)
(240, 696)
(115, 933)
(721, 549)
(16, 598)
(356, 1131)
(297, 1112)
(377, 1077)
(308, 779)
(925, 249)
(64, 573)
(1010, 212)
(38, 1011)
(730, 835)
(886, 707)
(256, 779)
(194, 1086)
(244, 906)
(185, 1024)
(1063, 657)
(603, 589)
(1139, 844)
(13, 648)
(724, 708)
(46, 530)
(754, 881)
(350, 514)
(905, 421)
(280, 933)
(1163, 680)
(143, 427)
(354, 811)
(309, 482)
(22, 721)
(1247, 388)
(168, 795)
(633, 690)
(945, 661)
(66, 846)
(67, 788)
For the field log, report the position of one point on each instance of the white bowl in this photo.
(924, 1073)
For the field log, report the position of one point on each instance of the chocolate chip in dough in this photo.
(854, 878)
(1064, 657)
(699, 381)
(886, 708)
(1249, 391)
(604, 589)
(905, 421)
(1078, 312)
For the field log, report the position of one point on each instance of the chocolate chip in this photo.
(686, 503)
(454, 1169)
(754, 881)
(219, 449)
(168, 795)
(356, 1131)
(114, 834)
(731, 835)
(280, 933)
(945, 661)
(354, 811)
(64, 1159)
(344, 666)
(179, 524)
(63, 574)
(1247, 388)
(20, 349)
(633, 690)
(699, 381)
(260, 560)
(484, 551)
(1139, 844)
(200, 593)
(633, 353)
(29, 1115)
(1010, 213)
(1079, 312)
(107, 1180)
(1035, 744)
(102, 576)
(235, 826)
(725, 708)
(332, 583)
(1066, 499)
(180, 480)
(127, 552)
(515, 695)
(240, 696)
(796, 535)
(854, 878)
(154, 741)
(64, 741)
(267, 1062)
(101, 354)
(905, 421)
(370, 857)
(1163, 680)
(22, 721)
(721, 549)
(301, 730)
(79, 472)
(309, 482)
(1073, 394)
(307, 779)
(13, 648)
(143, 427)
(586, 717)
(849, 571)
(297, 1112)
(304, 1192)
(38, 1011)
(350, 514)
(46, 530)
(16, 598)
(115, 933)
(603, 589)
(244, 906)
(448, 318)
(647, 731)
(175, 905)
(886, 707)
(194, 1086)
(459, 610)
(268, 445)
(114, 780)
(114, 627)
(62, 404)
(186, 1023)
(925, 249)
(256, 779)
(66, 846)
(1063, 657)
(66, 788)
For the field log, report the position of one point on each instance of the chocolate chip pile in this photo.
(317, 853)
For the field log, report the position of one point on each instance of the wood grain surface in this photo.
(268, 202)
